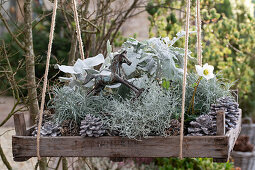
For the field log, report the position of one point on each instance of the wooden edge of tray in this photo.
(217, 147)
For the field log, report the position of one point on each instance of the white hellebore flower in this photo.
(206, 71)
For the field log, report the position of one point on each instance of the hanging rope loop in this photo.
(78, 30)
(185, 61)
(198, 24)
(51, 36)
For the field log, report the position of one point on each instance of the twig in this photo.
(124, 18)
(90, 23)
(59, 160)
(36, 165)
(4, 159)
(6, 132)
(10, 114)
(10, 32)
(21, 11)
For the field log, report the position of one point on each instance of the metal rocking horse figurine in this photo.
(114, 77)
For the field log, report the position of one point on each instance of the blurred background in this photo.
(228, 32)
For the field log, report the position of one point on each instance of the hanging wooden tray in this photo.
(217, 147)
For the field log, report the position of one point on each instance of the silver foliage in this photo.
(149, 115)
(156, 57)
(74, 104)
(208, 92)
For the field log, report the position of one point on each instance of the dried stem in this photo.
(64, 164)
(4, 159)
(22, 46)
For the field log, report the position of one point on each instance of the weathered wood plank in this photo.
(20, 124)
(218, 147)
(220, 119)
(121, 147)
(234, 133)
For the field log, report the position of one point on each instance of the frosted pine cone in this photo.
(231, 111)
(92, 126)
(202, 126)
(48, 129)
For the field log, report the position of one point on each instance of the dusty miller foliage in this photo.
(148, 115)
(156, 57)
(74, 104)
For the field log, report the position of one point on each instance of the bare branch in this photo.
(10, 32)
(4, 159)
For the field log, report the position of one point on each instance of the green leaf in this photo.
(194, 85)
(165, 84)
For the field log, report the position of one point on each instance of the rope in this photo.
(78, 30)
(52, 28)
(199, 45)
(184, 75)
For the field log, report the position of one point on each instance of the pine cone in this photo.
(202, 126)
(91, 126)
(231, 111)
(174, 129)
(48, 129)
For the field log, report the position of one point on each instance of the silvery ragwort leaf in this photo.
(65, 69)
(179, 35)
(94, 61)
(81, 65)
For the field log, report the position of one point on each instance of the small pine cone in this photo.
(202, 126)
(48, 129)
(231, 109)
(174, 129)
(92, 126)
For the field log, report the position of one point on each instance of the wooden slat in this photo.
(20, 124)
(218, 147)
(220, 118)
(234, 133)
(121, 147)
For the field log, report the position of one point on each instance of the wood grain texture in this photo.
(20, 124)
(218, 147)
(121, 147)
(220, 119)
(234, 133)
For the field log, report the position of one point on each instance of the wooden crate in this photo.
(217, 147)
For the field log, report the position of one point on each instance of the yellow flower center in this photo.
(206, 72)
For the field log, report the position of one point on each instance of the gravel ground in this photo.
(6, 132)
